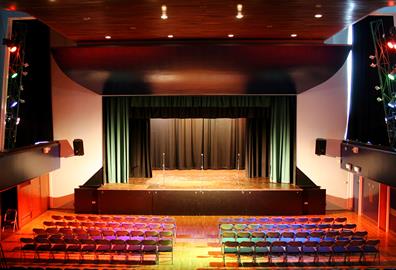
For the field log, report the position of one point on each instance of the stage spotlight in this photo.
(391, 75)
(377, 88)
(12, 46)
(390, 118)
(14, 75)
(391, 44)
(372, 57)
(379, 99)
(13, 103)
(392, 104)
(373, 65)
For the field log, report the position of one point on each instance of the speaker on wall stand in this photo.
(320, 147)
(78, 146)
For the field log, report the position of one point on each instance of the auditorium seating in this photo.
(99, 237)
(325, 239)
(89, 238)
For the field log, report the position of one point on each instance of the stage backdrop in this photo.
(183, 141)
(270, 132)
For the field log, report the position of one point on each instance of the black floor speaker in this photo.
(78, 147)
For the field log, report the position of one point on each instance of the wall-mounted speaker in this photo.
(320, 147)
(78, 147)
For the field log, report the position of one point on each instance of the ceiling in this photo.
(87, 21)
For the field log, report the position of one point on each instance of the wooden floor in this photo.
(200, 180)
(197, 245)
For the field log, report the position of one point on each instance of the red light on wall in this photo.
(12, 8)
(391, 3)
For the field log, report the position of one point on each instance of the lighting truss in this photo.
(387, 86)
(15, 85)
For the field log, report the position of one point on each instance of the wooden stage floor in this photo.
(200, 192)
(200, 180)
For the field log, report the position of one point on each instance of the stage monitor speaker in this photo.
(78, 147)
(320, 147)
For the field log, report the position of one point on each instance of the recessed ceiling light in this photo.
(107, 37)
(239, 11)
(318, 6)
(164, 16)
(230, 35)
(87, 18)
(52, 0)
(132, 28)
(170, 36)
(293, 35)
(318, 16)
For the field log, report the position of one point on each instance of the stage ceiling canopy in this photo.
(201, 68)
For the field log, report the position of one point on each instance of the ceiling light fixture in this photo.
(239, 11)
(318, 16)
(230, 35)
(170, 36)
(164, 16)
(293, 35)
(87, 18)
(107, 37)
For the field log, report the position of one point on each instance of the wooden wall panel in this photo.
(87, 20)
(32, 198)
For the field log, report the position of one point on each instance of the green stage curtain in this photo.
(116, 111)
(256, 147)
(281, 140)
(280, 112)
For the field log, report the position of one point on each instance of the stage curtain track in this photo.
(116, 111)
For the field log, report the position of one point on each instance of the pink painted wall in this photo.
(77, 113)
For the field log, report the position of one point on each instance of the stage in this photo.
(200, 180)
(198, 192)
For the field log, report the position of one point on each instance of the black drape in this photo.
(257, 140)
(184, 140)
(139, 143)
(366, 116)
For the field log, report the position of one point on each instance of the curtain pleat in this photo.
(139, 141)
(281, 141)
(256, 147)
(116, 169)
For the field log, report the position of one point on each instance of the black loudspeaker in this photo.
(320, 147)
(78, 147)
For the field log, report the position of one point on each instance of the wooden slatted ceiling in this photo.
(91, 20)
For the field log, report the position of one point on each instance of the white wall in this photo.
(77, 113)
(322, 113)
